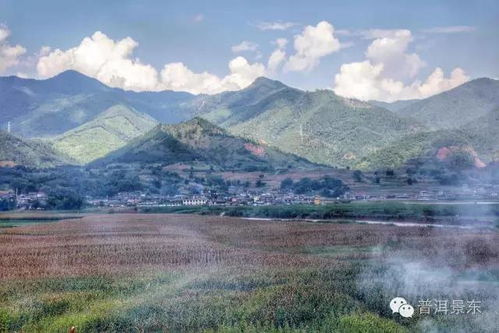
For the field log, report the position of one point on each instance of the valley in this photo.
(267, 209)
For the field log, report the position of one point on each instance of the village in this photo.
(9, 200)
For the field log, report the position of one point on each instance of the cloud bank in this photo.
(388, 72)
(112, 63)
(387, 66)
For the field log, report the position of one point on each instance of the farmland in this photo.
(184, 273)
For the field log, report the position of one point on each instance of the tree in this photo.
(287, 184)
(65, 199)
(357, 176)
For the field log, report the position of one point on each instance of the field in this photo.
(191, 273)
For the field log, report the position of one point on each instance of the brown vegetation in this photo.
(121, 243)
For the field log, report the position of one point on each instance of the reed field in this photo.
(192, 273)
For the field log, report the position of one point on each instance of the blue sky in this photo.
(201, 35)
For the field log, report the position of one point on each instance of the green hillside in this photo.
(111, 130)
(319, 126)
(46, 108)
(30, 153)
(481, 136)
(457, 107)
(199, 141)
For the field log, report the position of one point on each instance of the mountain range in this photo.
(199, 141)
(320, 126)
(45, 108)
(86, 120)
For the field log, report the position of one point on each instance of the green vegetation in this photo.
(46, 108)
(199, 140)
(477, 139)
(327, 186)
(258, 302)
(451, 109)
(31, 153)
(320, 126)
(109, 131)
(375, 210)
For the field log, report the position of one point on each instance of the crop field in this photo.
(191, 273)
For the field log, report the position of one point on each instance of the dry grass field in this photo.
(169, 273)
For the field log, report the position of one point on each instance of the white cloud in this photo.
(311, 45)
(176, 76)
(281, 42)
(364, 81)
(437, 82)
(390, 49)
(278, 56)
(9, 55)
(112, 63)
(275, 25)
(387, 66)
(242, 74)
(450, 29)
(100, 57)
(244, 46)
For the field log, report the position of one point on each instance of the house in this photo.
(195, 201)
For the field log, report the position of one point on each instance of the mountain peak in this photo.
(74, 81)
(264, 82)
(196, 124)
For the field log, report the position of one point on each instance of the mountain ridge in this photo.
(451, 109)
(108, 131)
(199, 141)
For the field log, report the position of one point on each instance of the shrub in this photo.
(368, 323)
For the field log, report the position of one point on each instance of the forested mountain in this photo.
(319, 125)
(457, 107)
(109, 131)
(199, 141)
(44, 108)
(86, 119)
(31, 153)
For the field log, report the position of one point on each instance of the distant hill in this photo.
(320, 126)
(43, 108)
(109, 131)
(201, 142)
(480, 138)
(457, 107)
(89, 119)
(30, 153)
